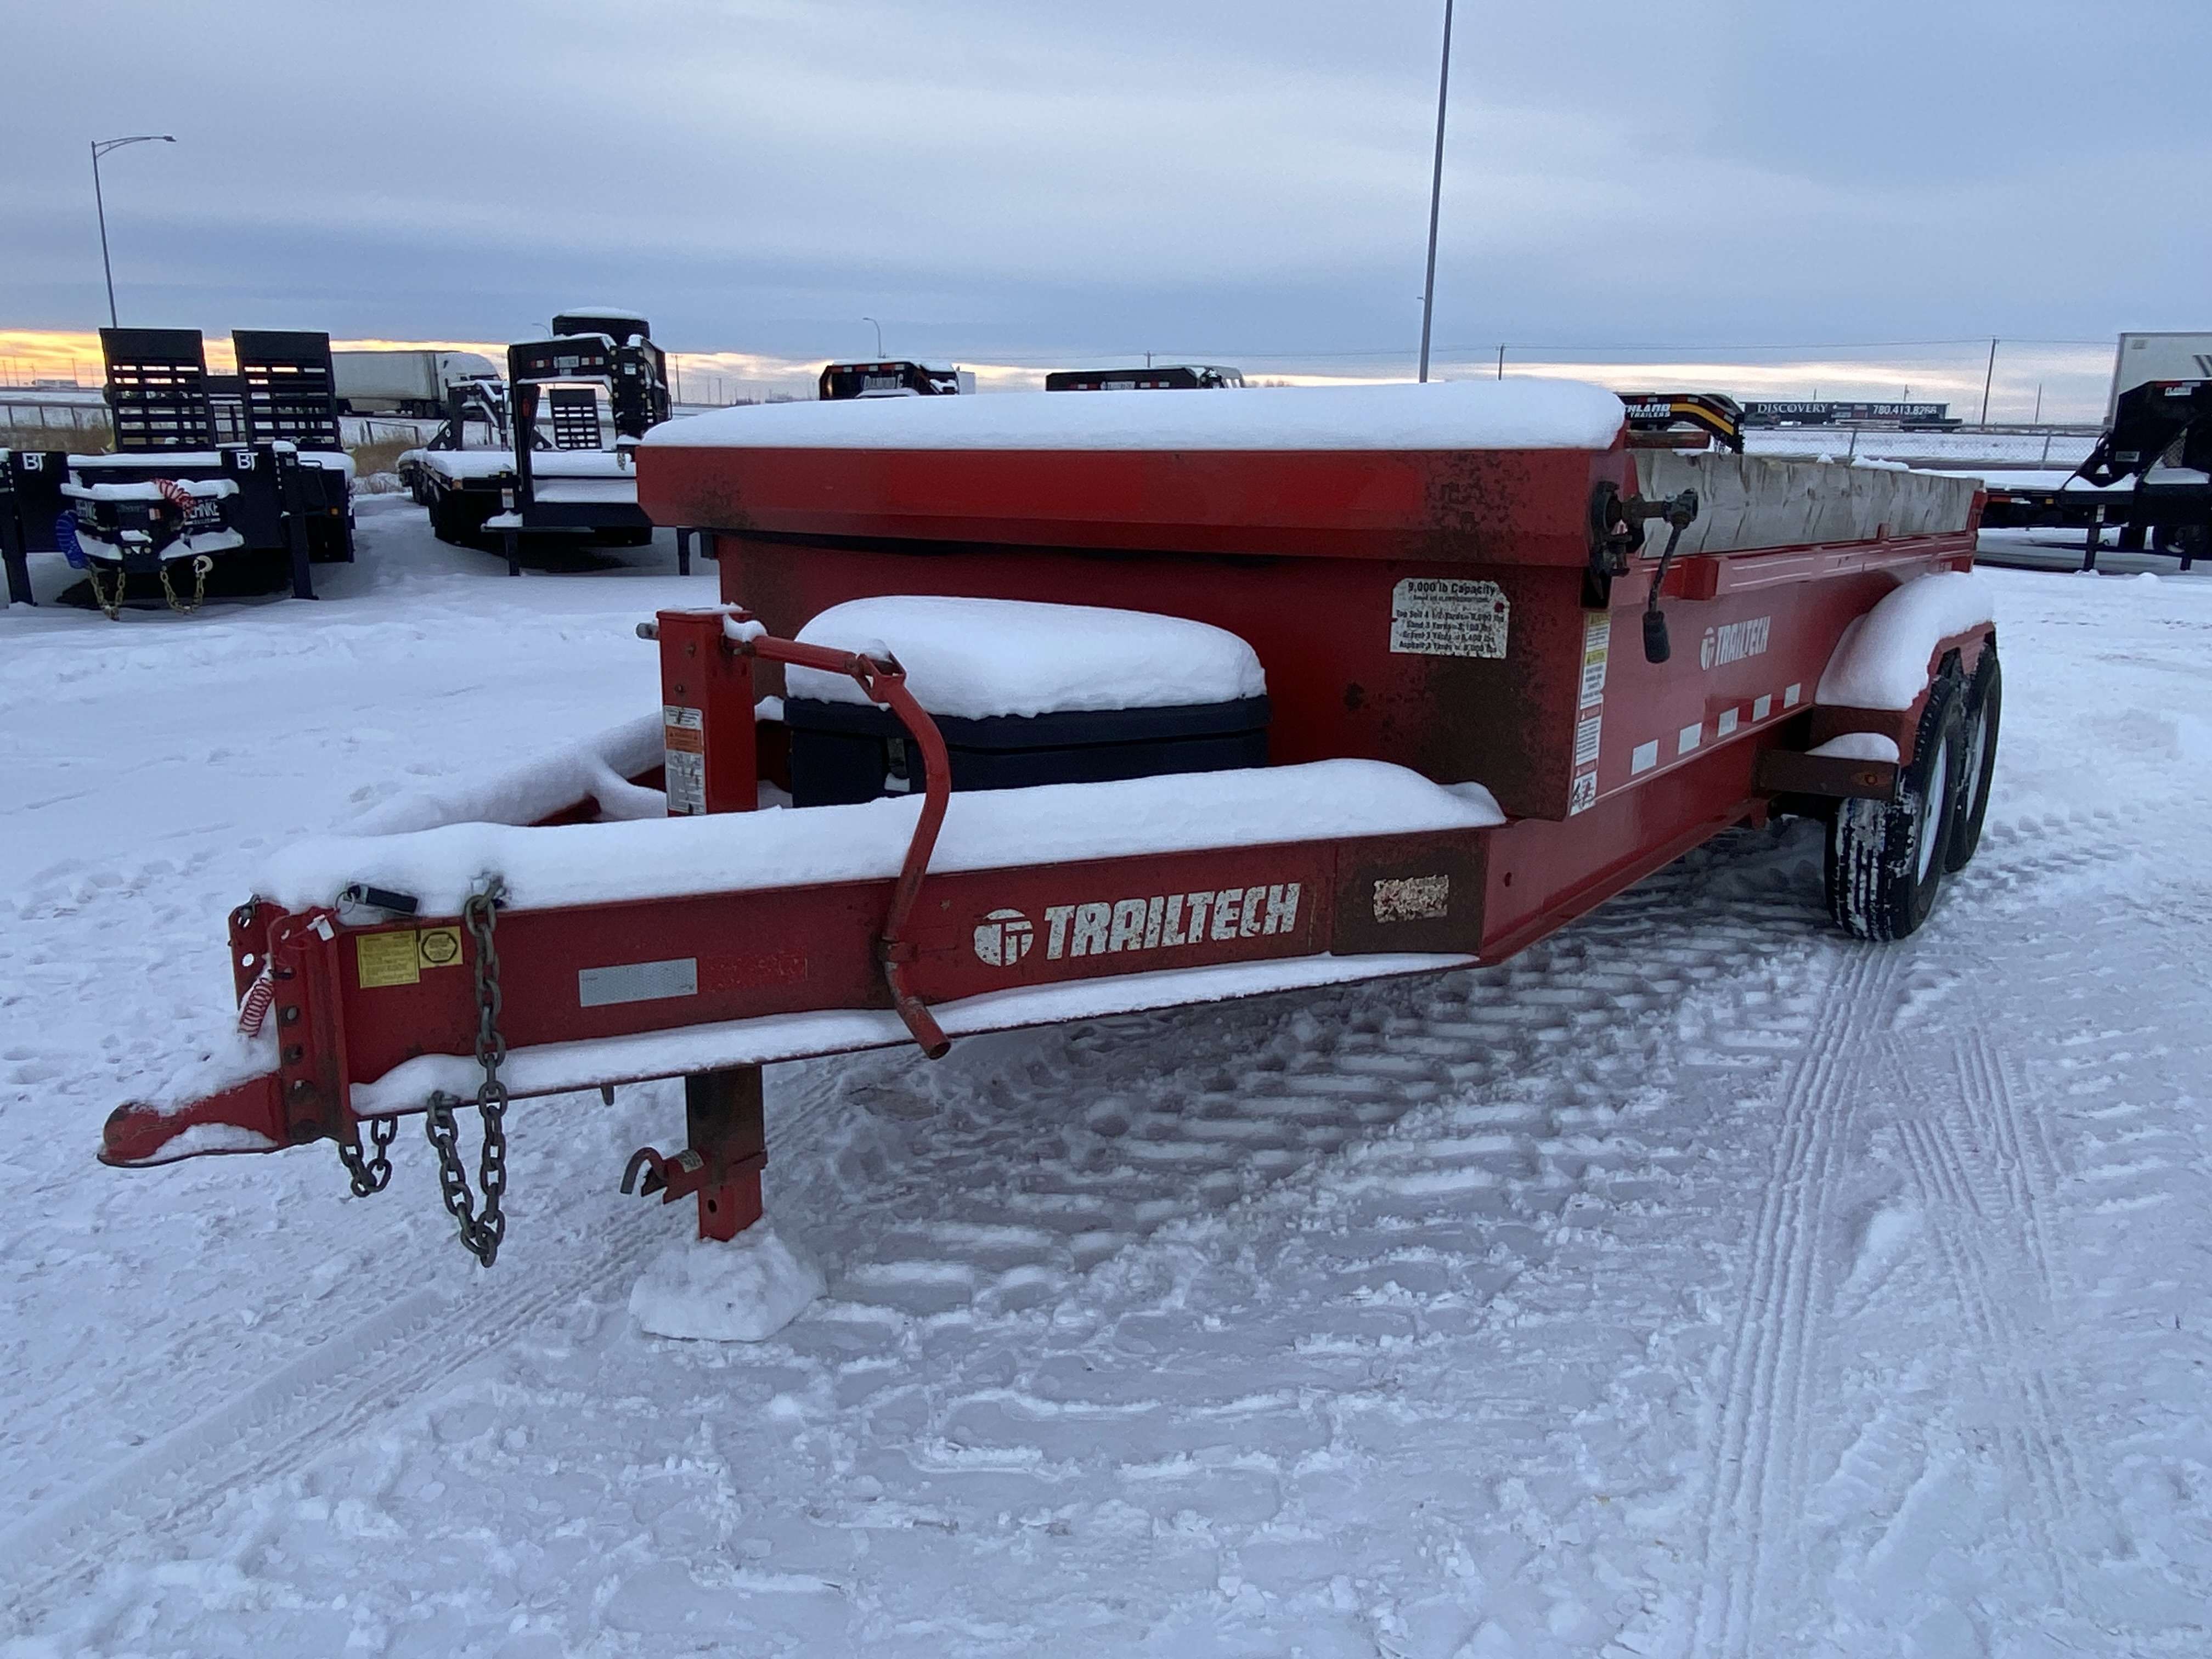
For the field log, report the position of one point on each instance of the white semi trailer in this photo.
(2144, 358)
(403, 382)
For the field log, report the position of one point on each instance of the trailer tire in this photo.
(1886, 859)
(1984, 710)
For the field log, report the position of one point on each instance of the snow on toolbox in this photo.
(1510, 666)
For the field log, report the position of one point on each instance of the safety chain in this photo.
(201, 565)
(111, 605)
(480, 1233)
(370, 1175)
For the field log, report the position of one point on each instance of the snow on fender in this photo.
(1881, 660)
(743, 1290)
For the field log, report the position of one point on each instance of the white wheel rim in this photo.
(1931, 798)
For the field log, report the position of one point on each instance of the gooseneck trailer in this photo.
(1501, 664)
(2149, 474)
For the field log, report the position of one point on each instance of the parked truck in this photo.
(413, 383)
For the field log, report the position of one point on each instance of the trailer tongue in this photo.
(1419, 586)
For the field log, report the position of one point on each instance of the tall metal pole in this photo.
(99, 148)
(1987, 379)
(100, 205)
(879, 335)
(1436, 195)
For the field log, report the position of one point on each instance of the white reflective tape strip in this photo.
(1762, 706)
(1726, 724)
(1644, 756)
(1791, 695)
(1687, 739)
(637, 982)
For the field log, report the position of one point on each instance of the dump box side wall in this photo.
(1322, 628)
(1360, 578)
(1520, 507)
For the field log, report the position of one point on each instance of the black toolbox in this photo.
(844, 752)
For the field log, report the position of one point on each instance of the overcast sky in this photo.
(1013, 181)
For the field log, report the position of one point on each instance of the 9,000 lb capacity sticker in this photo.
(1433, 617)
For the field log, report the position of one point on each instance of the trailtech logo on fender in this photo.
(1733, 642)
(1161, 921)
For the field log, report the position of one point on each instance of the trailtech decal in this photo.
(1163, 922)
(1733, 642)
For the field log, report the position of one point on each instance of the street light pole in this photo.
(879, 336)
(1436, 194)
(99, 148)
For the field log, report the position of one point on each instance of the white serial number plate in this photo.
(638, 982)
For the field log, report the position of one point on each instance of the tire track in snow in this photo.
(1986, 1214)
(381, 1364)
(1758, 1467)
(2033, 1440)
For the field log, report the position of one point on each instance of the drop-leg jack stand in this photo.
(723, 1166)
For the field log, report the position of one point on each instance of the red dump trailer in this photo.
(1506, 664)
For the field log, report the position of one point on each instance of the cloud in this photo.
(1006, 182)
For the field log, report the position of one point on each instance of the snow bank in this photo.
(744, 1290)
(598, 768)
(1521, 414)
(973, 659)
(1881, 660)
(608, 863)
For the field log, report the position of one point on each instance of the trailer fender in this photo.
(1886, 660)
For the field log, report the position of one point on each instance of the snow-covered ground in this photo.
(1697, 1284)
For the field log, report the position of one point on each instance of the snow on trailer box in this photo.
(1444, 588)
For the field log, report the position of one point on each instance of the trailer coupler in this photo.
(246, 1117)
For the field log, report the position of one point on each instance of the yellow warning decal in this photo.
(438, 947)
(388, 959)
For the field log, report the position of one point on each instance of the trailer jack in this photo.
(723, 1166)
